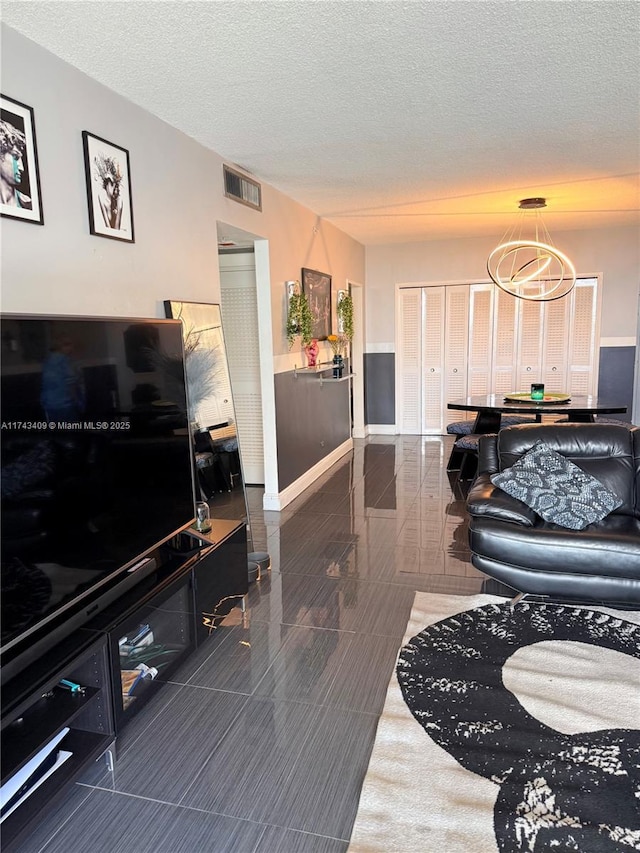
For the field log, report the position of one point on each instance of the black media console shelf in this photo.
(36, 709)
(220, 577)
(119, 659)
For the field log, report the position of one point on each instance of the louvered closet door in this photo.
(505, 325)
(456, 350)
(240, 320)
(582, 352)
(556, 335)
(480, 339)
(477, 339)
(433, 349)
(410, 360)
(530, 344)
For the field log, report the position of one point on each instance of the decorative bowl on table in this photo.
(525, 397)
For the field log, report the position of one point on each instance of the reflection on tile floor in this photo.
(261, 741)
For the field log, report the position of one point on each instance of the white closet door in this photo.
(505, 325)
(433, 350)
(582, 373)
(530, 344)
(239, 306)
(459, 340)
(409, 361)
(556, 335)
(480, 339)
(456, 350)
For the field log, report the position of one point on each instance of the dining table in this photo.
(489, 408)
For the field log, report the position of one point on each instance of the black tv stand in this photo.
(202, 580)
(36, 708)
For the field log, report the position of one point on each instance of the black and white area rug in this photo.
(507, 731)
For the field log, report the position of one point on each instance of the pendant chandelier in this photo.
(526, 263)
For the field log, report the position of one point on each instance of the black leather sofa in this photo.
(514, 545)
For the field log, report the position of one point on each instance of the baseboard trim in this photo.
(279, 501)
(617, 342)
(381, 429)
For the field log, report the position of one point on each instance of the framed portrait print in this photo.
(108, 188)
(20, 196)
(317, 288)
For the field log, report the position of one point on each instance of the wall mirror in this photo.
(219, 475)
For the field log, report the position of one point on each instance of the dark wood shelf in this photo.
(18, 694)
(133, 601)
(85, 747)
(221, 530)
(35, 708)
(26, 736)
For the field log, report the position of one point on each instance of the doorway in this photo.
(240, 315)
(357, 360)
(245, 287)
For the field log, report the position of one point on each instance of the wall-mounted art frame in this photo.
(317, 288)
(109, 196)
(20, 196)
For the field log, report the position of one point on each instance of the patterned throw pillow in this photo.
(556, 489)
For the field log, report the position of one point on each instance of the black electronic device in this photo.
(97, 468)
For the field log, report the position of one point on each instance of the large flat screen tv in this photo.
(96, 465)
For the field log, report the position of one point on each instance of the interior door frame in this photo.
(265, 337)
(357, 358)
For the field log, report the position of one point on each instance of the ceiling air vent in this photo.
(242, 189)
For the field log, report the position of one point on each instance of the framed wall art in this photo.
(108, 188)
(20, 196)
(317, 288)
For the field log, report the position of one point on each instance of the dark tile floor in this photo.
(261, 742)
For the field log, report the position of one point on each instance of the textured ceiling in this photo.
(397, 121)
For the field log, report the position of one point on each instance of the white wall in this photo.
(177, 201)
(615, 253)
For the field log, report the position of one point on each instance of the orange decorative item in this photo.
(311, 351)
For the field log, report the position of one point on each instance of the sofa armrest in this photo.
(488, 462)
(488, 501)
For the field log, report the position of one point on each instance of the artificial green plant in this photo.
(299, 320)
(344, 309)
